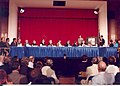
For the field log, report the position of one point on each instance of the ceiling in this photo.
(80, 4)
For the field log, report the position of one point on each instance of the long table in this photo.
(60, 51)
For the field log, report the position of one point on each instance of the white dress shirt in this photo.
(112, 69)
(103, 78)
(47, 71)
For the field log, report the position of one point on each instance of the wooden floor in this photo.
(67, 80)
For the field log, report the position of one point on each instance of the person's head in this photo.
(25, 61)
(101, 66)
(101, 36)
(84, 58)
(1, 58)
(34, 42)
(111, 60)
(50, 41)
(43, 41)
(111, 41)
(31, 58)
(49, 62)
(39, 64)
(15, 66)
(100, 59)
(19, 40)
(7, 60)
(7, 40)
(3, 39)
(15, 59)
(80, 36)
(14, 40)
(68, 42)
(118, 41)
(34, 73)
(94, 60)
(3, 76)
(26, 41)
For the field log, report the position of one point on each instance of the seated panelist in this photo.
(27, 44)
(68, 44)
(59, 43)
(34, 43)
(50, 43)
(42, 43)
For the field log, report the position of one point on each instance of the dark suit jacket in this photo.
(117, 79)
(17, 78)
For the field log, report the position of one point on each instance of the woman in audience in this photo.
(31, 62)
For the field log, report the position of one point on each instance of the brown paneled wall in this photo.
(114, 19)
(4, 9)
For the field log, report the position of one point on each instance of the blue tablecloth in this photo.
(60, 51)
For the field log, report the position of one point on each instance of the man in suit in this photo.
(101, 41)
(14, 42)
(15, 77)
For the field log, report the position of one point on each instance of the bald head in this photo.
(101, 66)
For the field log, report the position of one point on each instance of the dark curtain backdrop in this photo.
(57, 24)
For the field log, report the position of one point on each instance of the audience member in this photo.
(14, 42)
(117, 77)
(103, 78)
(1, 62)
(4, 78)
(92, 70)
(24, 66)
(31, 62)
(111, 68)
(7, 65)
(15, 77)
(47, 71)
